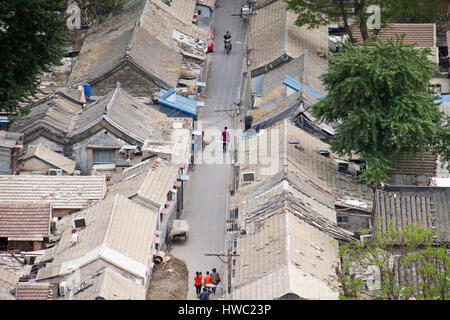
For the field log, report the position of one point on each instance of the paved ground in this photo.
(208, 189)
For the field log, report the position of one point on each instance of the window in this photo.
(342, 219)
(104, 156)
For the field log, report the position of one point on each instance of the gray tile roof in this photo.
(117, 230)
(63, 192)
(110, 285)
(273, 25)
(429, 206)
(141, 121)
(287, 248)
(120, 40)
(54, 112)
(53, 158)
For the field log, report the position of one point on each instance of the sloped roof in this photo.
(34, 291)
(110, 45)
(10, 139)
(143, 36)
(419, 34)
(54, 158)
(110, 285)
(25, 221)
(171, 99)
(161, 21)
(305, 161)
(287, 248)
(153, 184)
(259, 192)
(117, 230)
(56, 113)
(275, 25)
(417, 165)
(63, 192)
(141, 121)
(429, 206)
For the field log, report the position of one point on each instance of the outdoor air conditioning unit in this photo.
(63, 288)
(78, 223)
(248, 176)
(55, 172)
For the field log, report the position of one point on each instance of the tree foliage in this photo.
(32, 39)
(96, 11)
(314, 13)
(395, 265)
(379, 93)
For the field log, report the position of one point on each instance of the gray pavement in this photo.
(207, 193)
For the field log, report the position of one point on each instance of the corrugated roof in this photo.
(63, 192)
(117, 230)
(54, 158)
(26, 221)
(171, 99)
(34, 291)
(112, 286)
(287, 248)
(55, 112)
(141, 121)
(429, 206)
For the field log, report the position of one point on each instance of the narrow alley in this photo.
(209, 185)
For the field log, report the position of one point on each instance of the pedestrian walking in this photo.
(198, 283)
(208, 279)
(215, 280)
(205, 294)
(225, 139)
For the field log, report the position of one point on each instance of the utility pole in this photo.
(225, 278)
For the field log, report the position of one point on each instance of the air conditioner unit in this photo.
(55, 172)
(78, 223)
(248, 176)
(63, 288)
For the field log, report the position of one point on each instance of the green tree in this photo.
(379, 93)
(414, 11)
(32, 39)
(405, 264)
(314, 13)
(96, 11)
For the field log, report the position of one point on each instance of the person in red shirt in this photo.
(208, 279)
(198, 282)
(225, 139)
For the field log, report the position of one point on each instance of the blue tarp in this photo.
(181, 103)
(87, 90)
(444, 98)
(297, 85)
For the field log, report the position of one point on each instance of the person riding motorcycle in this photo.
(227, 38)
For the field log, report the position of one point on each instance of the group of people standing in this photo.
(210, 281)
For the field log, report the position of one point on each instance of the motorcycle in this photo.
(228, 46)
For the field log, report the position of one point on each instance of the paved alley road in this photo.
(206, 198)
